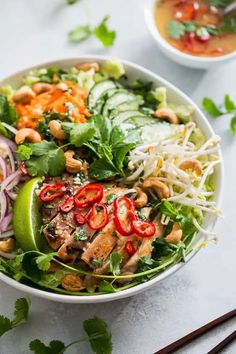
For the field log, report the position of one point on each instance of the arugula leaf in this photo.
(233, 125)
(210, 107)
(20, 316)
(115, 261)
(80, 33)
(46, 159)
(55, 347)
(229, 104)
(8, 112)
(23, 152)
(44, 262)
(104, 34)
(21, 311)
(175, 29)
(98, 335)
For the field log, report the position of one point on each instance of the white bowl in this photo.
(175, 54)
(174, 95)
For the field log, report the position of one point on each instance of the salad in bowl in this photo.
(109, 180)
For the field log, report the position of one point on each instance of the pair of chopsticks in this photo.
(200, 331)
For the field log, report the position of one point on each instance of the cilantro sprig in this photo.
(102, 32)
(228, 108)
(20, 316)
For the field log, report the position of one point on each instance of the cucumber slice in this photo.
(98, 91)
(117, 99)
(126, 106)
(123, 116)
(140, 121)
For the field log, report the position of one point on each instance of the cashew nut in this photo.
(72, 282)
(8, 245)
(194, 165)
(175, 235)
(141, 198)
(27, 134)
(41, 87)
(159, 187)
(88, 66)
(56, 130)
(23, 95)
(62, 86)
(72, 165)
(167, 114)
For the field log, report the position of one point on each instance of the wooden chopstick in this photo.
(197, 333)
(223, 344)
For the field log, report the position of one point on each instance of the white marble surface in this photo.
(35, 31)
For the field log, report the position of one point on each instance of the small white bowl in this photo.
(175, 54)
(133, 72)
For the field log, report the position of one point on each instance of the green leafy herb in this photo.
(98, 335)
(111, 198)
(80, 133)
(80, 33)
(46, 159)
(80, 235)
(23, 152)
(20, 316)
(104, 34)
(55, 347)
(220, 3)
(106, 287)
(96, 263)
(176, 29)
(229, 110)
(141, 215)
(101, 32)
(210, 107)
(115, 262)
(71, 2)
(228, 24)
(7, 111)
(44, 262)
(233, 125)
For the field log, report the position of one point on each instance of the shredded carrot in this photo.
(57, 101)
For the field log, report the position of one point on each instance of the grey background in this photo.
(33, 31)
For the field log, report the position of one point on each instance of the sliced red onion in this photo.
(7, 255)
(9, 154)
(11, 195)
(5, 222)
(9, 142)
(10, 128)
(11, 180)
(3, 204)
(7, 234)
(3, 167)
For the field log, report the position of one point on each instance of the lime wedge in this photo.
(27, 220)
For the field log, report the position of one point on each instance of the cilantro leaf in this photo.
(220, 3)
(102, 169)
(106, 287)
(229, 104)
(175, 29)
(210, 107)
(23, 152)
(228, 24)
(5, 325)
(46, 159)
(81, 133)
(104, 34)
(21, 311)
(98, 335)
(55, 347)
(190, 26)
(233, 125)
(8, 112)
(43, 262)
(115, 261)
(79, 33)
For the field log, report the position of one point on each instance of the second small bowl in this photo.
(175, 54)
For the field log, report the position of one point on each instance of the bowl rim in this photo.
(150, 22)
(142, 286)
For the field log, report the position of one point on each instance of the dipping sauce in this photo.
(196, 27)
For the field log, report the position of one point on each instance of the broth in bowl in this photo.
(197, 28)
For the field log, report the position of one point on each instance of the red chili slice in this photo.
(186, 11)
(88, 195)
(23, 169)
(80, 219)
(52, 191)
(67, 205)
(144, 228)
(130, 249)
(124, 214)
(98, 216)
